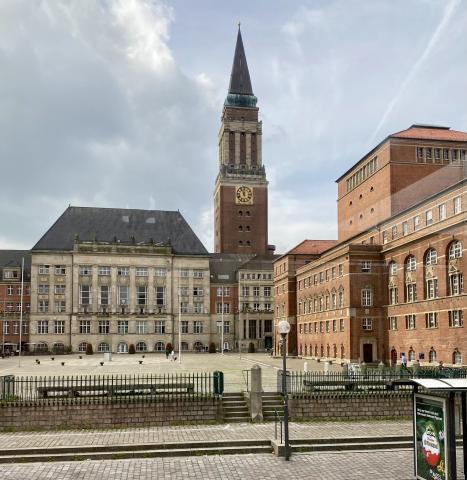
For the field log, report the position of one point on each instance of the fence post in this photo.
(256, 395)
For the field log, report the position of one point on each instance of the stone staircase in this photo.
(272, 402)
(235, 408)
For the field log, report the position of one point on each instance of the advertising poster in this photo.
(430, 443)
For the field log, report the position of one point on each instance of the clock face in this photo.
(244, 195)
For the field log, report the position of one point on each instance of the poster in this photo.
(430, 442)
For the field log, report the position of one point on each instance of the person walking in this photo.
(404, 360)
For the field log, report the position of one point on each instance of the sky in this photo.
(117, 103)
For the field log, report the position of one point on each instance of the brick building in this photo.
(10, 299)
(394, 282)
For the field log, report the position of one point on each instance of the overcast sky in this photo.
(117, 103)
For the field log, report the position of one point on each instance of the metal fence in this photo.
(109, 388)
(306, 383)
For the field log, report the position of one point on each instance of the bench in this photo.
(113, 390)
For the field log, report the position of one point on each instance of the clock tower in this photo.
(241, 191)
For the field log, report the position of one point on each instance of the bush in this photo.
(131, 349)
(67, 348)
(168, 347)
(251, 347)
(89, 349)
(212, 347)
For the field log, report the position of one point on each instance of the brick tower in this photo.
(241, 190)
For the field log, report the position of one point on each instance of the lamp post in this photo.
(284, 328)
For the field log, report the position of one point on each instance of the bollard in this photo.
(305, 367)
(327, 367)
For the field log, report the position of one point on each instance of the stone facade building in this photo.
(11, 300)
(394, 282)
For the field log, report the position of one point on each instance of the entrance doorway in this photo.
(268, 343)
(367, 352)
(393, 356)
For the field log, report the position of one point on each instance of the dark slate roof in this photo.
(240, 82)
(261, 262)
(104, 224)
(223, 266)
(13, 258)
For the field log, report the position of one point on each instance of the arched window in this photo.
(432, 355)
(455, 250)
(82, 347)
(322, 351)
(141, 347)
(306, 350)
(411, 355)
(301, 350)
(341, 297)
(327, 299)
(41, 347)
(334, 349)
(333, 299)
(122, 347)
(198, 347)
(316, 350)
(410, 263)
(342, 351)
(431, 257)
(58, 347)
(328, 351)
(103, 347)
(392, 268)
(457, 357)
(159, 347)
(321, 304)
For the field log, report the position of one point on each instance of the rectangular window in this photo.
(184, 326)
(431, 320)
(385, 237)
(122, 327)
(104, 295)
(142, 327)
(85, 294)
(9, 289)
(59, 289)
(59, 327)
(184, 291)
(367, 297)
(141, 272)
(442, 211)
(405, 228)
(104, 327)
(85, 270)
(256, 291)
(183, 307)
(219, 307)
(420, 154)
(416, 222)
(392, 323)
(60, 306)
(160, 296)
(198, 307)
(455, 318)
(393, 296)
(123, 271)
(161, 272)
(43, 306)
(223, 291)
(43, 327)
(394, 232)
(44, 269)
(198, 291)
(245, 291)
(25, 328)
(410, 322)
(141, 295)
(429, 217)
(428, 154)
(184, 273)
(457, 205)
(454, 156)
(446, 155)
(104, 270)
(334, 325)
(123, 295)
(431, 288)
(43, 289)
(328, 326)
(6, 328)
(411, 292)
(197, 327)
(367, 324)
(456, 284)
(60, 270)
(366, 266)
(437, 154)
(15, 328)
(198, 274)
(85, 327)
(160, 326)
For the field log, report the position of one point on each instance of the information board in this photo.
(430, 442)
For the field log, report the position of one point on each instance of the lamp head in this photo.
(283, 327)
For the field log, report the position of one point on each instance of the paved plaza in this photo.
(233, 365)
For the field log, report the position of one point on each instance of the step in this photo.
(326, 447)
(239, 402)
(229, 415)
(237, 419)
(368, 439)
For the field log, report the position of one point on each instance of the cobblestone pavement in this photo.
(232, 364)
(236, 431)
(381, 465)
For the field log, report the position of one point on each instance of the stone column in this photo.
(237, 148)
(256, 395)
(248, 148)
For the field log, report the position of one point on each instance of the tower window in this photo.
(248, 243)
(240, 243)
(240, 228)
(240, 213)
(247, 213)
(247, 228)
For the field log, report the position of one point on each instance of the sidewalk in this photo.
(237, 431)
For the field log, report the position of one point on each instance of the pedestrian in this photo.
(172, 354)
(404, 360)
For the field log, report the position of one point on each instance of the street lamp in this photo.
(284, 328)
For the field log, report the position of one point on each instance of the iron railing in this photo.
(82, 389)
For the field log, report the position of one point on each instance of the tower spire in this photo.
(240, 89)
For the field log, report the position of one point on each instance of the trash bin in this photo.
(218, 383)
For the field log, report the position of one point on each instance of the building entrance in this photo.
(367, 352)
